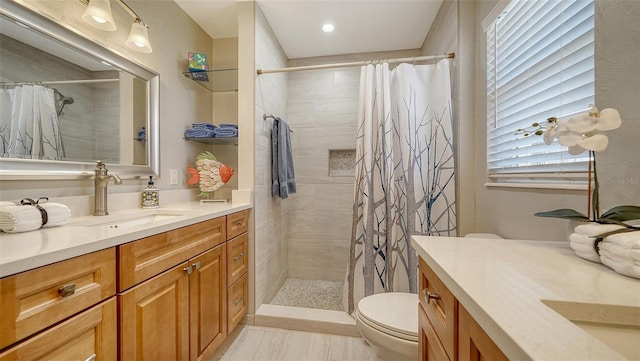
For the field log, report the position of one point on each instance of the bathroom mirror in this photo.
(98, 105)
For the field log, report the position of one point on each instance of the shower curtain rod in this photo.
(54, 82)
(355, 63)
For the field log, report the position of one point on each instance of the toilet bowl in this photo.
(389, 324)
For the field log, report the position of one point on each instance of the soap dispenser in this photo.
(150, 195)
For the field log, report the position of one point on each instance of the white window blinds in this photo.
(539, 64)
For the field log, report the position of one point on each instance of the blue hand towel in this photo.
(225, 132)
(282, 172)
(228, 125)
(203, 126)
(199, 133)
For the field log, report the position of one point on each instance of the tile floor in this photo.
(255, 343)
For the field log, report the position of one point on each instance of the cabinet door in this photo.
(430, 347)
(90, 335)
(473, 343)
(33, 300)
(154, 318)
(207, 295)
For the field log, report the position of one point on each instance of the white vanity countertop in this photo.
(24, 251)
(502, 284)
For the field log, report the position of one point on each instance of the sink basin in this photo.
(616, 326)
(128, 220)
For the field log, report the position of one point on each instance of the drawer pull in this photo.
(428, 296)
(91, 358)
(239, 223)
(238, 300)
(67, 290)
(196, 265)
(238, 257)
(188, 269)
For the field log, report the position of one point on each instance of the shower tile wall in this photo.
(271, 214)
(323, 112)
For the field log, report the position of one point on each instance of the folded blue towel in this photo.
(199, 133)
(228, 125)
(203, 126)
(142, 134)
(225, 132)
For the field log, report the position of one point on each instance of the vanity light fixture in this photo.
(98, 14)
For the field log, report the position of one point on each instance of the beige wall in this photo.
(173, 34)
(271, 214)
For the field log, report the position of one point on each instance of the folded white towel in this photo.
(620, 265)
(622, 252)
(14, 219)
(595, 229)
(583, 246)
(625, 239)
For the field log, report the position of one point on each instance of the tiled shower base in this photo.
(323, 295)
(314, 306)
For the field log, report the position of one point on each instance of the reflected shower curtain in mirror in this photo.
(404, 181)
(29, 123)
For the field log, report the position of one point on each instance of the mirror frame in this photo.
(11, 168)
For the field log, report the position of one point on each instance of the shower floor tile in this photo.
(324, 295)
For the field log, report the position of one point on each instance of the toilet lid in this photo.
(392, 311)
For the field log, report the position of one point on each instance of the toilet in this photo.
(389, 324)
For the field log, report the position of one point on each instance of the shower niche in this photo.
(342, 162)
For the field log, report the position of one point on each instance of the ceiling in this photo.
(360, 25)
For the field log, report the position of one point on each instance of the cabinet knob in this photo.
(196, 265)
(188, 269)
(238, 257)
(91, 358)
(238, 300)
(67, 290)
(428, 296)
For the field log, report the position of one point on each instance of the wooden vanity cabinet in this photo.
(447, 331)
(66, 310)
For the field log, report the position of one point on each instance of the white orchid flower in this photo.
(584, 131)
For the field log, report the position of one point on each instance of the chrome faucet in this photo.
(101, 180)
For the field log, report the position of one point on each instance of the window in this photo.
(540, 63)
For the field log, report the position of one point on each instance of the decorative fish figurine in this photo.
(209, 173)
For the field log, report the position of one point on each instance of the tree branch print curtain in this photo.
(404, 183)
(29, 124)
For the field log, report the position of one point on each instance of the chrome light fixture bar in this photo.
(98, 14)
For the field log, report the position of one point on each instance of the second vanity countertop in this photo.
(510, 287)
(24, 251)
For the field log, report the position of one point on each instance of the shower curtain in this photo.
(404, 183)
(29, 123)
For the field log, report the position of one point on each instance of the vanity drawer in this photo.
(440, 307)
(36, 299)
(237, 223)
(237, 302)
(430, 347)
(86, 336)
(142, 259)
(237, 258)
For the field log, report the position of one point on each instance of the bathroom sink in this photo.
(128, 220)
(616, 326)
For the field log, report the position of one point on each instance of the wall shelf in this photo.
(219, 141)
(217, 80)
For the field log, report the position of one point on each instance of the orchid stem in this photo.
(596, 189)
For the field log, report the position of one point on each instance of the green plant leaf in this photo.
(622, 213)
(564, 214)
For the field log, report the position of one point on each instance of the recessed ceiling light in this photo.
(327, 28)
